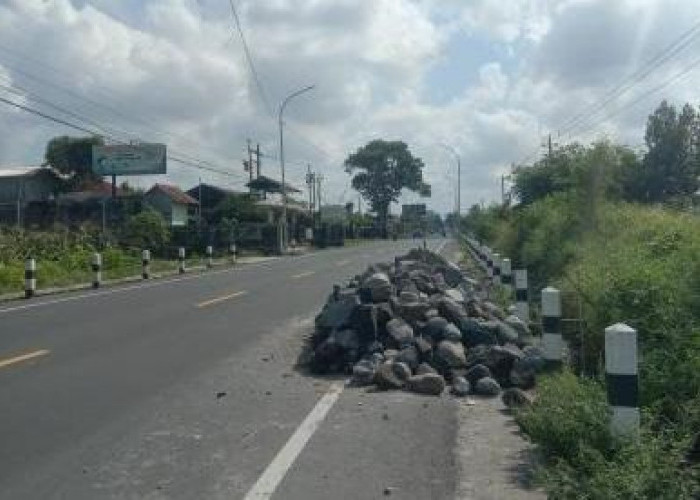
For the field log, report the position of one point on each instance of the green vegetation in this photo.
(584, 225)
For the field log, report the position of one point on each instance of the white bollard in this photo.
(507, 275)
(29, 278)
(97, 270)
(234, 251)
(489, 263)
(146, 264)
(210, 261)
(497, 268)
(552, 342)
(622, 379)
(522, 303)
(181, 260)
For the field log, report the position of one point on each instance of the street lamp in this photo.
(459, 177)
(291, 96)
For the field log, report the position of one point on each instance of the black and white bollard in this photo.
(181, 260)
(497, 268)
(622, 379)
(29, 278)
(96, 270)
(489, 263)
(522, 302)
(507, 275)
(552, 342)
(233, 251)
(146, 264)
(210, 260)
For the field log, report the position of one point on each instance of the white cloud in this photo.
(177, 68)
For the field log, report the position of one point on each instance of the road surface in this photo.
(185, 388)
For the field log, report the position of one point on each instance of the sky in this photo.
(487, 79)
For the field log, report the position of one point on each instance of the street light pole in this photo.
(291, 96)
(459, 177)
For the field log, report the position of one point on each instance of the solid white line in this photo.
(267, 483)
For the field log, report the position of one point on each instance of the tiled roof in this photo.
(175, 194)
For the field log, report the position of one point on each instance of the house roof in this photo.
(174, 193)
(194, 192)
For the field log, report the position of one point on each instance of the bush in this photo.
(146, 230)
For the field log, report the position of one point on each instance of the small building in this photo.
(173, 203)
(28, 184)
(211, 196)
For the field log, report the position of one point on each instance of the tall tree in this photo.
(670, 167)
(72, 156)
(382, 169)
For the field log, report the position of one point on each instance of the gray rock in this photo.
(477, 355)
(402, 371)
(535, 356)
(451, 333)
(424, 346)
(336, 315)
(431, 313)
(408, 296)
(399, 331)
(500, 360)
(487, 387)
(474, 333)
(493, 310)
(379, 286)
(450, 355)
(390, 354)
(477, 372)
(515, 398)
(386, 378)
(518, 325)
(461, 386)
(506, 333)
(408, 355)
(363, 373)
(424, 368)
(413, 311)
(454, 294)
(347, 339)
(434, 327)
(453, 274)
(429, 383)
(451, 310)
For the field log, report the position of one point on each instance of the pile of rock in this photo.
(420, 323)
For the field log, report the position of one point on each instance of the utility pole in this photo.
(319, 180)
(250, 163)
(257, 160)
(359, 204)
(503, 189)
(310, 182)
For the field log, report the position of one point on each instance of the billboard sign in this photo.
(137, 159)
(415, 211)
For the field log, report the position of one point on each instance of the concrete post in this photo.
(522, 302)
(97, 270)
(29, 278)
(622, 379)
(146, 262)
(552, 342)
(210, 260)
(489, 263)
(497, 268)
(181, 260)
(507, 275)
(233, 250)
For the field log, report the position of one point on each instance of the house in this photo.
(211, 196)
(171, 202)
(28, 184)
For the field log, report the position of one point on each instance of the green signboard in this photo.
(126, 159)
(415, 211)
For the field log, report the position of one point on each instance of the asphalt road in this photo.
(185, 388)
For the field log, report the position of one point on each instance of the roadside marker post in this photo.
(233, 250)
(29, 278)
(622, 381)
(552, 342)
(522, 302)
(497, 268)
(210, 261)
(146, 264)
(507, 276)
(489, 263)
(97, 270)
(181, 260)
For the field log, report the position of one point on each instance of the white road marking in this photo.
(267, 483)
